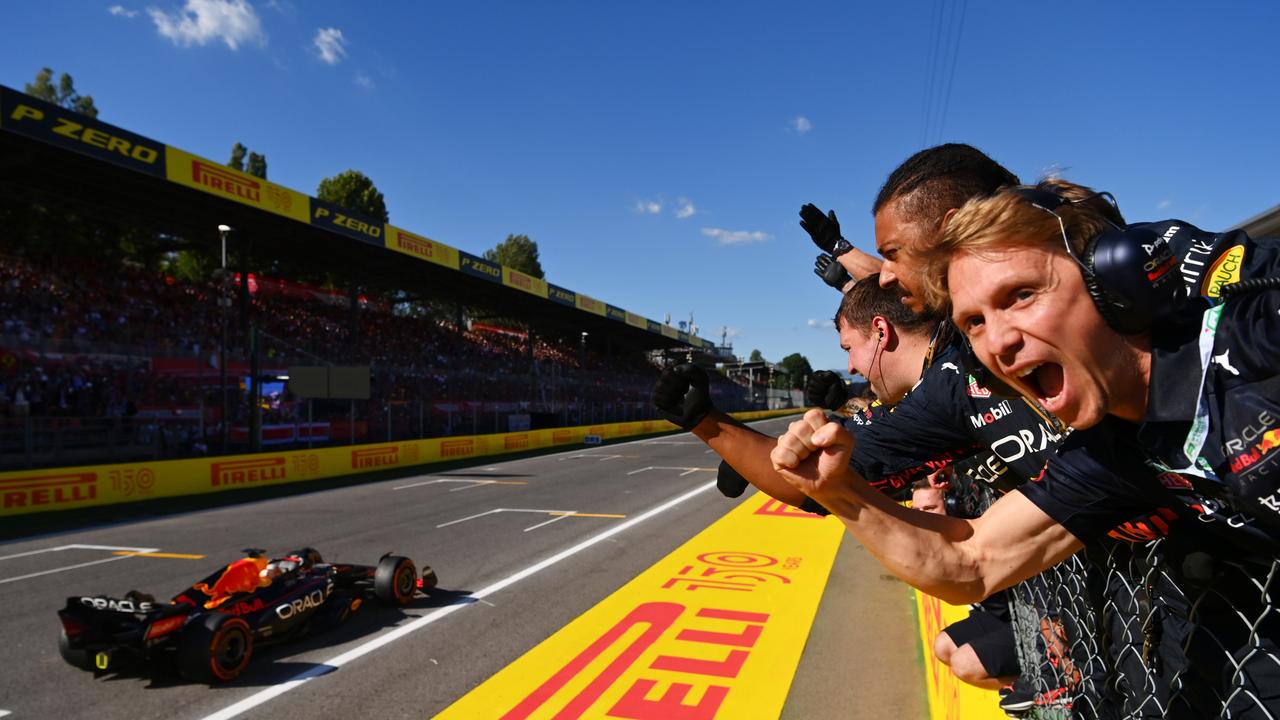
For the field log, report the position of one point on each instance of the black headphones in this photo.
(1129, 271)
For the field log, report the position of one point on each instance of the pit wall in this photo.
(32, 491)
(950, 699)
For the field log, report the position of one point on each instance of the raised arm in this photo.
(957, 560)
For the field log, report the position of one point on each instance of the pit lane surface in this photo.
(487, 530)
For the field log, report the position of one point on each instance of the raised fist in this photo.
(683, 395)
(826, 390)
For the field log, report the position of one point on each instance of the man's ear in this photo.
(946, 218)
(882, 329)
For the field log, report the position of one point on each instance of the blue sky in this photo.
(658, 153)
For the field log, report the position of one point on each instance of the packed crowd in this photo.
(80, 339)
(1086, 409)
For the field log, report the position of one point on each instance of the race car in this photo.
(209, 630)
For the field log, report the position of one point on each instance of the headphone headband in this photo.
(1125, 269)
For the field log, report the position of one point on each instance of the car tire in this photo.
(395, 580)
(82, 659)
(215, 649)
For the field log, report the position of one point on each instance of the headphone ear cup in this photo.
(1128, 275)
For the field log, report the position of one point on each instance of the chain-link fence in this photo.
(1173, 627)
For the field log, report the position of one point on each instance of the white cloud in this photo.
(234, 22)
(647, 207)
(330, 44)
(801, 124)
(1164, 204)
(122, 11)
(685, 209)
(364, 81)
(736, 237)
(820, 324)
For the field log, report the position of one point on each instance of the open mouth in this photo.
(1045, 381)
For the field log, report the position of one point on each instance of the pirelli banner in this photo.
(33, 491)
(217, 179)
(38, 120)
(403, 241)
(527, 283)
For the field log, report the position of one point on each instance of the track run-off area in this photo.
(609, 581)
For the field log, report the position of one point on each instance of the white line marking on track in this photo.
(562, 513)
(75, 547)
(5, 712)
(391, 636)
(548, 522)
(469, 517)
(72, 567)
(467, 484)
(687, 470)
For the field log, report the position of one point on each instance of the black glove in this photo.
(826, 390)
(831, 271)
(683, 395)
(729, 482)
(824, 229)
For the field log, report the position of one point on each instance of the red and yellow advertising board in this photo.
(218, 179)
(589, 304)
(31, 491)
(950, 699)
(521, 281)
(637, 321)
(403, 241)
(714, 630)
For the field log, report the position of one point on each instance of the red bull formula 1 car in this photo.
(209, 630)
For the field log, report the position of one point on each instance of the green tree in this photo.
(798, 369)
(257, 166)
(755, 356)
(237, 157)
(519, 253)
(352, 190)
(63, 94)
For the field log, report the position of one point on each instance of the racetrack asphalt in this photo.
(861, 659)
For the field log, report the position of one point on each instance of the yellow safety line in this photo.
(578, 514)
(175, 556)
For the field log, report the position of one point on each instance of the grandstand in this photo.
(109, 356)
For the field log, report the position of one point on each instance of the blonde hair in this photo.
(1008, 219)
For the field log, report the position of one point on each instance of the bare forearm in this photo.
(747, 451)
(959, 561)
(859, 264)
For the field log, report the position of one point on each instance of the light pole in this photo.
(223, 303)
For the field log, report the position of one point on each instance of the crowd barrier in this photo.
(33, 491)
(1174, 627)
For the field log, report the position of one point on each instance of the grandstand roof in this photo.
(1264, 224)
(52, 155)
